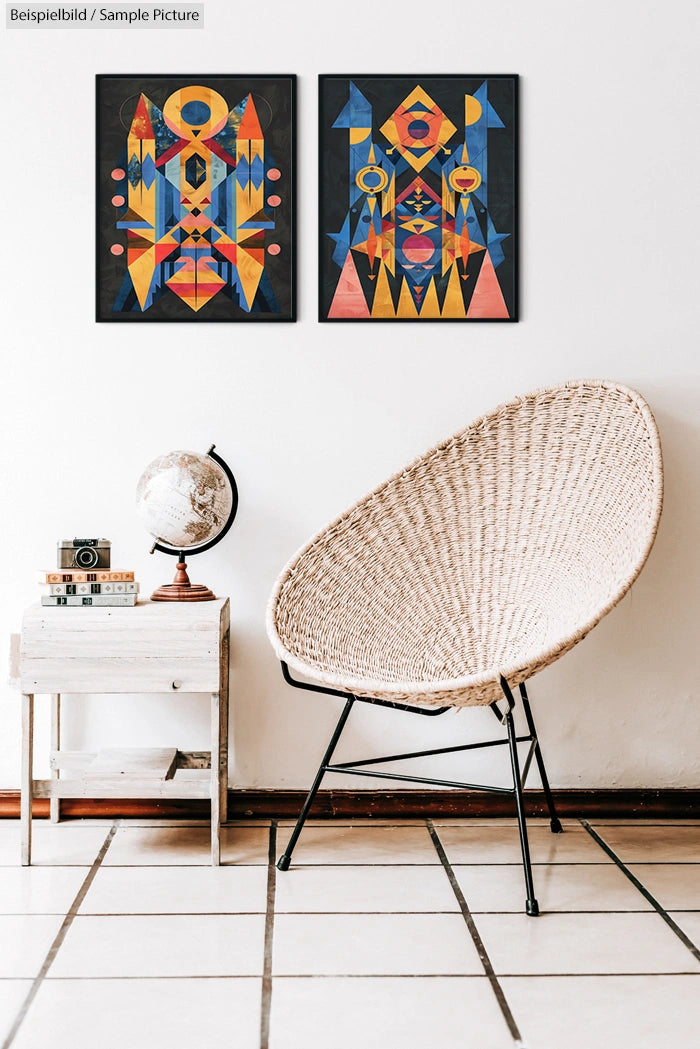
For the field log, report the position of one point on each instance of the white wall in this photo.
(311, 416)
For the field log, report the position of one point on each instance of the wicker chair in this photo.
(475, 568)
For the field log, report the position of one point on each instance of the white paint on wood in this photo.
(154, 647)
(142, 762)
(27, 775)
(119, 675)
(191, 786)
(55, 807)
(71, 759)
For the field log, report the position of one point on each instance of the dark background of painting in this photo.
(385, 93)
(117, 97)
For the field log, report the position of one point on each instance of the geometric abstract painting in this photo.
(418, 198)
(195, 198)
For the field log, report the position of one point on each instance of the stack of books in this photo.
(70, 584)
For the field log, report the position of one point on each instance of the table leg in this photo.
(215, 778)
(27, 776)
(223, 730)
(55, 803)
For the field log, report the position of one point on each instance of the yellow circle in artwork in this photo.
(372, 179)
(472, 110)
(464, 179)
(195, 112)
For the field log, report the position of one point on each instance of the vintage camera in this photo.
(86, 554)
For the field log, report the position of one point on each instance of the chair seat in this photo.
(490, 556)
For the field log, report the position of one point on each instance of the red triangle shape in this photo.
(141, 125)
(250, 125)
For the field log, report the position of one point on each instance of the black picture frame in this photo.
(453, 138)
(170, 242)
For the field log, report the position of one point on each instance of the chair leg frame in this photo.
(359, 767)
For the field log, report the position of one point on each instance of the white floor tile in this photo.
(597, 944)
(155, 945)
(367, 821)
(627, 1012)
(676, 886)
(364, 889)
(177, 890)
(12, 995)
(369, 946)
(652, 844)
(489, 844)
(39, 890)
(143, 1014)
(334, 844)
(689, 922)
(171, 845)
(376, 944)
(386, 1013)
(25, 942)
(72, 843)
(558, 887)
(469, 821)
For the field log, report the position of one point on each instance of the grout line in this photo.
(60, 937)
(685, 940)
(266, 997)
(251, 977)
(313, 914)
(478, 942)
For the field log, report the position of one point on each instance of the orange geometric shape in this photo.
(453, 305)
(407, 307)
(250, 125)
(196, 283)
(141, 126)
(349, 300)
(487, 300)
(228, 250)
(163, 249)
(383, 303)
(418, 128)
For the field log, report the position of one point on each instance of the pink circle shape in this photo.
(274, 201)
(418, 248)
(118, 174)
(273, 174)
(118, 200)
(117, 249)
(273, 249)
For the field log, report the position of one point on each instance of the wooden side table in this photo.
(151, 648)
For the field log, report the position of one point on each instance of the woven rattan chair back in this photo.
(488, 557)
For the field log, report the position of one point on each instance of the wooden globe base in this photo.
(181, 589)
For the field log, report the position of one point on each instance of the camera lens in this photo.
(86, 557)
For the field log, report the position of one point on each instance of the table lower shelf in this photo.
(128, 773)
(127, 788)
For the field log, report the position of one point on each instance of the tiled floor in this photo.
(381, 936)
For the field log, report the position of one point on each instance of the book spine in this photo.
(73, 576)
(103, 600)
(68, 589)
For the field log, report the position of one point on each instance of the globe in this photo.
(187, 501)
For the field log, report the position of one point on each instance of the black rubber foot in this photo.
(283, 863)
(556, 826)
(532, 908)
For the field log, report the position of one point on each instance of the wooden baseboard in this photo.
(390, 804)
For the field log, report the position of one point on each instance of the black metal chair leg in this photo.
(554, 822)
(286, 858)
(531, 905)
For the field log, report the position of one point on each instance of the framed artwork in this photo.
(418, 198)
(195, 198)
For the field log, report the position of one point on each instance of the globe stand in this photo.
(181, 589)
